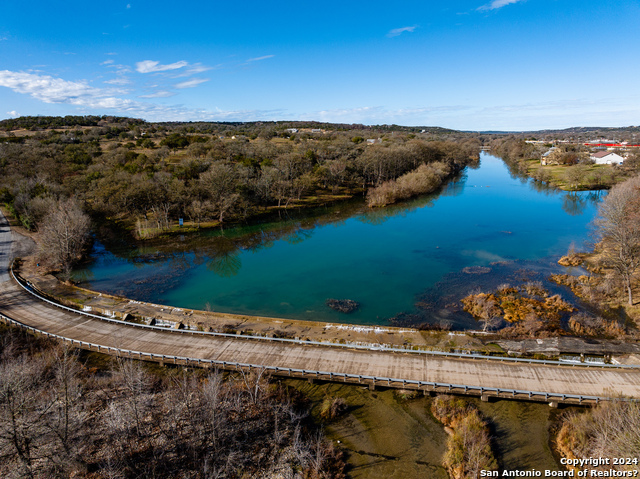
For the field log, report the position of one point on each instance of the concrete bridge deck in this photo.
(578, 384)
(488, 377)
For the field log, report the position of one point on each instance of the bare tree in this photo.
(66, 416)
(23, 406)
(219, 185)
(64, 232)
(618, 224)
(136, 385)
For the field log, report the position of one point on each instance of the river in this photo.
(484, 227)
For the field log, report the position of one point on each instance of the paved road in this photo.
(5, 248)
(21, 306)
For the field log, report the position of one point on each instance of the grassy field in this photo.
(586, 177)
(593, 176)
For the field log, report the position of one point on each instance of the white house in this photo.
(606, 158)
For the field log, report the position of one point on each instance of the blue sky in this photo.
(463, 64)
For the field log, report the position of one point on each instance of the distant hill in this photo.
(51, 122)
(578, 133)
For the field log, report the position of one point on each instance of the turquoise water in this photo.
(382, 259)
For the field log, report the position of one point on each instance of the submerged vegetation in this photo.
(343, 305)
(61, 416)
(529, 307)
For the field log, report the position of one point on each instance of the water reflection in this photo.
(288, 264)
(299, 235)
(377, 216)
(543, 187)
(574, 204)
(225, 265)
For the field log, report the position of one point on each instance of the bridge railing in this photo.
(27, 286)
(323, 375)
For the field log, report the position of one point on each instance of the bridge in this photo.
(550, 381)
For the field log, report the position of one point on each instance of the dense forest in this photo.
(146, 176)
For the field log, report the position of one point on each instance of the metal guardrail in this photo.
(331, 376)
(30, 289)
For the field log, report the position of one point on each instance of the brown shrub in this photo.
(469, 447)
(424, 179)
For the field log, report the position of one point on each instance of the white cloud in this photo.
(107, 62)
(120, 68)
(495, 4)
(119, 81)
(257, 59)
(399, 31)
(55, 90)
(197, 68)
(13, 113)
(159, 94)
(191, 70)
(150, 66)
(191, 83)
(128, 6)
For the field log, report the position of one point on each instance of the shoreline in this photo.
(382, 336)
(375, 336)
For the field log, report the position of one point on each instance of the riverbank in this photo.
(600, 288)
(179, 318)
(143, 229)
(576, 178)
(380, 426)
(376, 335)
(619, 352)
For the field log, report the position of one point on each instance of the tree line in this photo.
(149, 175)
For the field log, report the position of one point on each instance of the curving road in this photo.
(5, 248)
(20, 306)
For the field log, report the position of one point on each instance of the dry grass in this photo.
(611, 430)
(424, 179)
(469, 444)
